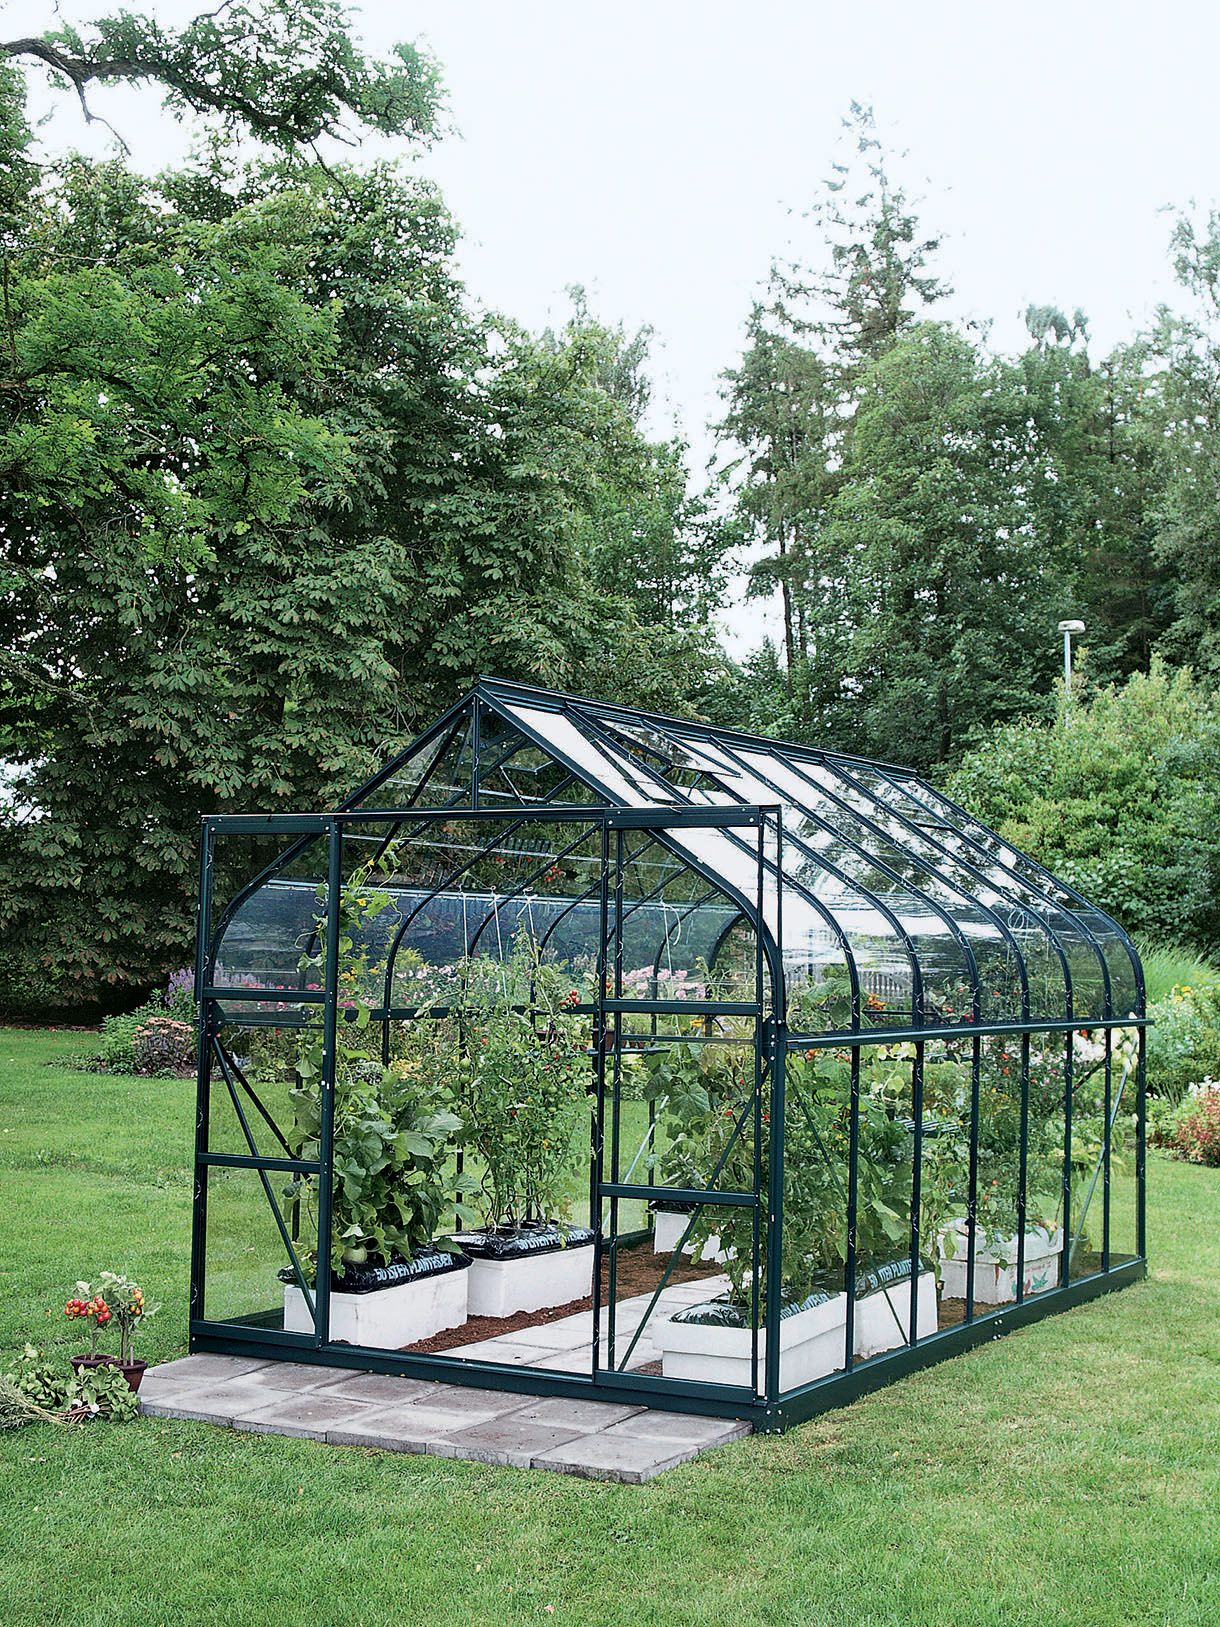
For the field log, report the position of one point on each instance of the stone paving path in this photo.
(598, 1439)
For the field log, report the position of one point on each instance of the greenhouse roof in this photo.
(866, 870)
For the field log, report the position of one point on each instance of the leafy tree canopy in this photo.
(288, 74)
(272, 492)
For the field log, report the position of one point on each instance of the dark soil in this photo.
(638, 1271)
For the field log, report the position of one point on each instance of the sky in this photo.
(661, 154)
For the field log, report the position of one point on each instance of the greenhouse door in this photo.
(683, 1105)
(266, 1076)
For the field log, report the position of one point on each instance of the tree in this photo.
(645, 540)
(289, 74)
(935, 595)
(1188, 529)
(875, 282)
(1100, 426)
(783, 420)
(791, 404)
(273, 495)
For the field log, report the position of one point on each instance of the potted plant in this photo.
(88, 1307)
(117, 1300)
(522, 1058)
(393, 1280)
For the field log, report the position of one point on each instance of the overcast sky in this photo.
(656, 151)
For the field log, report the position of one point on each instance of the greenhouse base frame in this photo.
(770, 1409)
(836, 1390)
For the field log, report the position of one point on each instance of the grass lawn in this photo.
(1067, 1474)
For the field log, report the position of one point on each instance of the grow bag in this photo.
(528, 1269)
(388, 1307)
(515, 1244)
(713, 1342)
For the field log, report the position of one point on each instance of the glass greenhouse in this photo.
(594, 1053)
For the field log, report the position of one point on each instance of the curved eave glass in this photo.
(889, 906)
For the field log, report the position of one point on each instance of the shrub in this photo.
(119, 1051)
(116, 1053)
(1162, 1122)
(1184, 1041)
(163, 1045)
(1197, 1135)
(1117, 797)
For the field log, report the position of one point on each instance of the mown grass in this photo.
(1068, 1474)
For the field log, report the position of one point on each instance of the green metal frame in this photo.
(943, 847)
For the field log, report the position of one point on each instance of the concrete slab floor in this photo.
(345, 1407)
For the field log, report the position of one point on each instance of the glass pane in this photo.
(687, 1305)
(433, 776)
(1069, 922)
(245, 1252)
(1123, 1232)
(270, 932)
(258, 1103)
(1047, 1138)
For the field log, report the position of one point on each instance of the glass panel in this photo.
(817, 1117)
(605, 768)
(1047, 1131)
(1123, 1232)
(255, 1094)
(517, 772)
(1017, 875)
(683, 1302)
(269, 934)
(245, 1251)
(1089, 1053)
(895, 928)
(433, 776)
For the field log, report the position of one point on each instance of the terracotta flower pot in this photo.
(132, 1371)
(87, 1363)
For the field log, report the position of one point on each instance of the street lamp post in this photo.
(1067, 628)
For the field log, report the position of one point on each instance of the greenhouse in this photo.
(588, 1052)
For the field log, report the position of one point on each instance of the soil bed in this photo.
(638, 1271)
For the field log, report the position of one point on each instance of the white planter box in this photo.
(995, 1268)
(812, 1343)
(883, 1316)
(667, 1228)
(387, 1318)
(531, 1282)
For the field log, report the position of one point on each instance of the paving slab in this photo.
(681, 1427)
(294, 1375)
(310, 1414)
(583, 1416)
(513, 1441)
(209, 1369)
(417, 1426)
(214, 1403)
(606, 1457)
(381, 1389)
(389, 1429)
